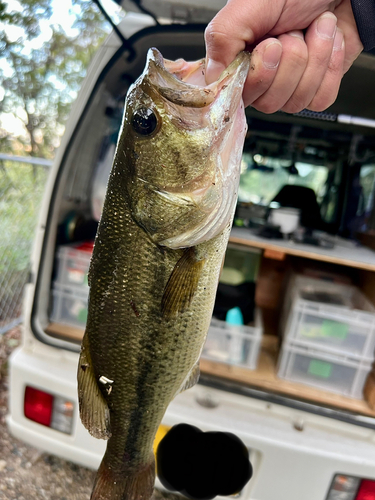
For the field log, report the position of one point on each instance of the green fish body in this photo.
(157, 258)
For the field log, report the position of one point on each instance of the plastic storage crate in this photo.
(73, 264)
(69, 305)
(339, 374)
(334, 317)
(232, 344)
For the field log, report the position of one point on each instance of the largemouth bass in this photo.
(157, 257)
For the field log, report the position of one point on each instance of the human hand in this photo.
(291, 70)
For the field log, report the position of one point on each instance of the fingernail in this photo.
(272, 55)
(338, 42)
(326, 26)
(213, 70)
(297, 34)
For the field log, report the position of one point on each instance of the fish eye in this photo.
(144, 121)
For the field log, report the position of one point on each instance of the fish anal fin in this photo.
(182, 284)
(93, 408)
(191, 380)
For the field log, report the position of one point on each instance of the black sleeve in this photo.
(364, 14)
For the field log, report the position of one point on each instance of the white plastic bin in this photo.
(234, 345)
(335, 317)
(69, 305)
(73, 264)
(339, 374)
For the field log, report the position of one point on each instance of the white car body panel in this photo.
(295, 453)
(292, 462)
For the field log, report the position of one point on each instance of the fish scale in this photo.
(145, 351)
(151, 302)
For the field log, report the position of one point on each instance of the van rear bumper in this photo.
(53, 446)
(53, 372)
(290, 461)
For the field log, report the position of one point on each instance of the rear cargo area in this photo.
(311, 345)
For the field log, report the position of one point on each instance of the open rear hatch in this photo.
(60, 303)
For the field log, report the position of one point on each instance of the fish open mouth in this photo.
(183, 83)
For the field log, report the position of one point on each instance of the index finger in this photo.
(236, 25)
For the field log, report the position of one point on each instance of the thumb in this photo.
(238, 24)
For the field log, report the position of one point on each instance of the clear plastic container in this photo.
(74, 263)
(335, 317)
(69, 305)
(342, 375)
(232, 344)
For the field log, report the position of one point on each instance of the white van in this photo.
(305, 443)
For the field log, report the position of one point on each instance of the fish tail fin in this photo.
(111, 484)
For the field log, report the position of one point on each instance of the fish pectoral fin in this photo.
(93, 408)
(191, 380)
(182, 284)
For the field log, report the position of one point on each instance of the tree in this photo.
(40, 79)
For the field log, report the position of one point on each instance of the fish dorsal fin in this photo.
(93, 407)
(182, 284)
(191, 380)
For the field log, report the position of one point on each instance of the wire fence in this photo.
(22, 182)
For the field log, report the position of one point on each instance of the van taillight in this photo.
(351, 488)
(46, 409)
(38, 406)
(366, 490)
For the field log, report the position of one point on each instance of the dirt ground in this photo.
(25, 472)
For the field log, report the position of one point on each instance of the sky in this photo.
(63, 13)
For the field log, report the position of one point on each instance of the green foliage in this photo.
(28, 18)
(21, 189)
(367, 180)
(41, 79)
(260, 186)
(41, 70)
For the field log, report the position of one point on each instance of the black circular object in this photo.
(202, 465)
(144, 121)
